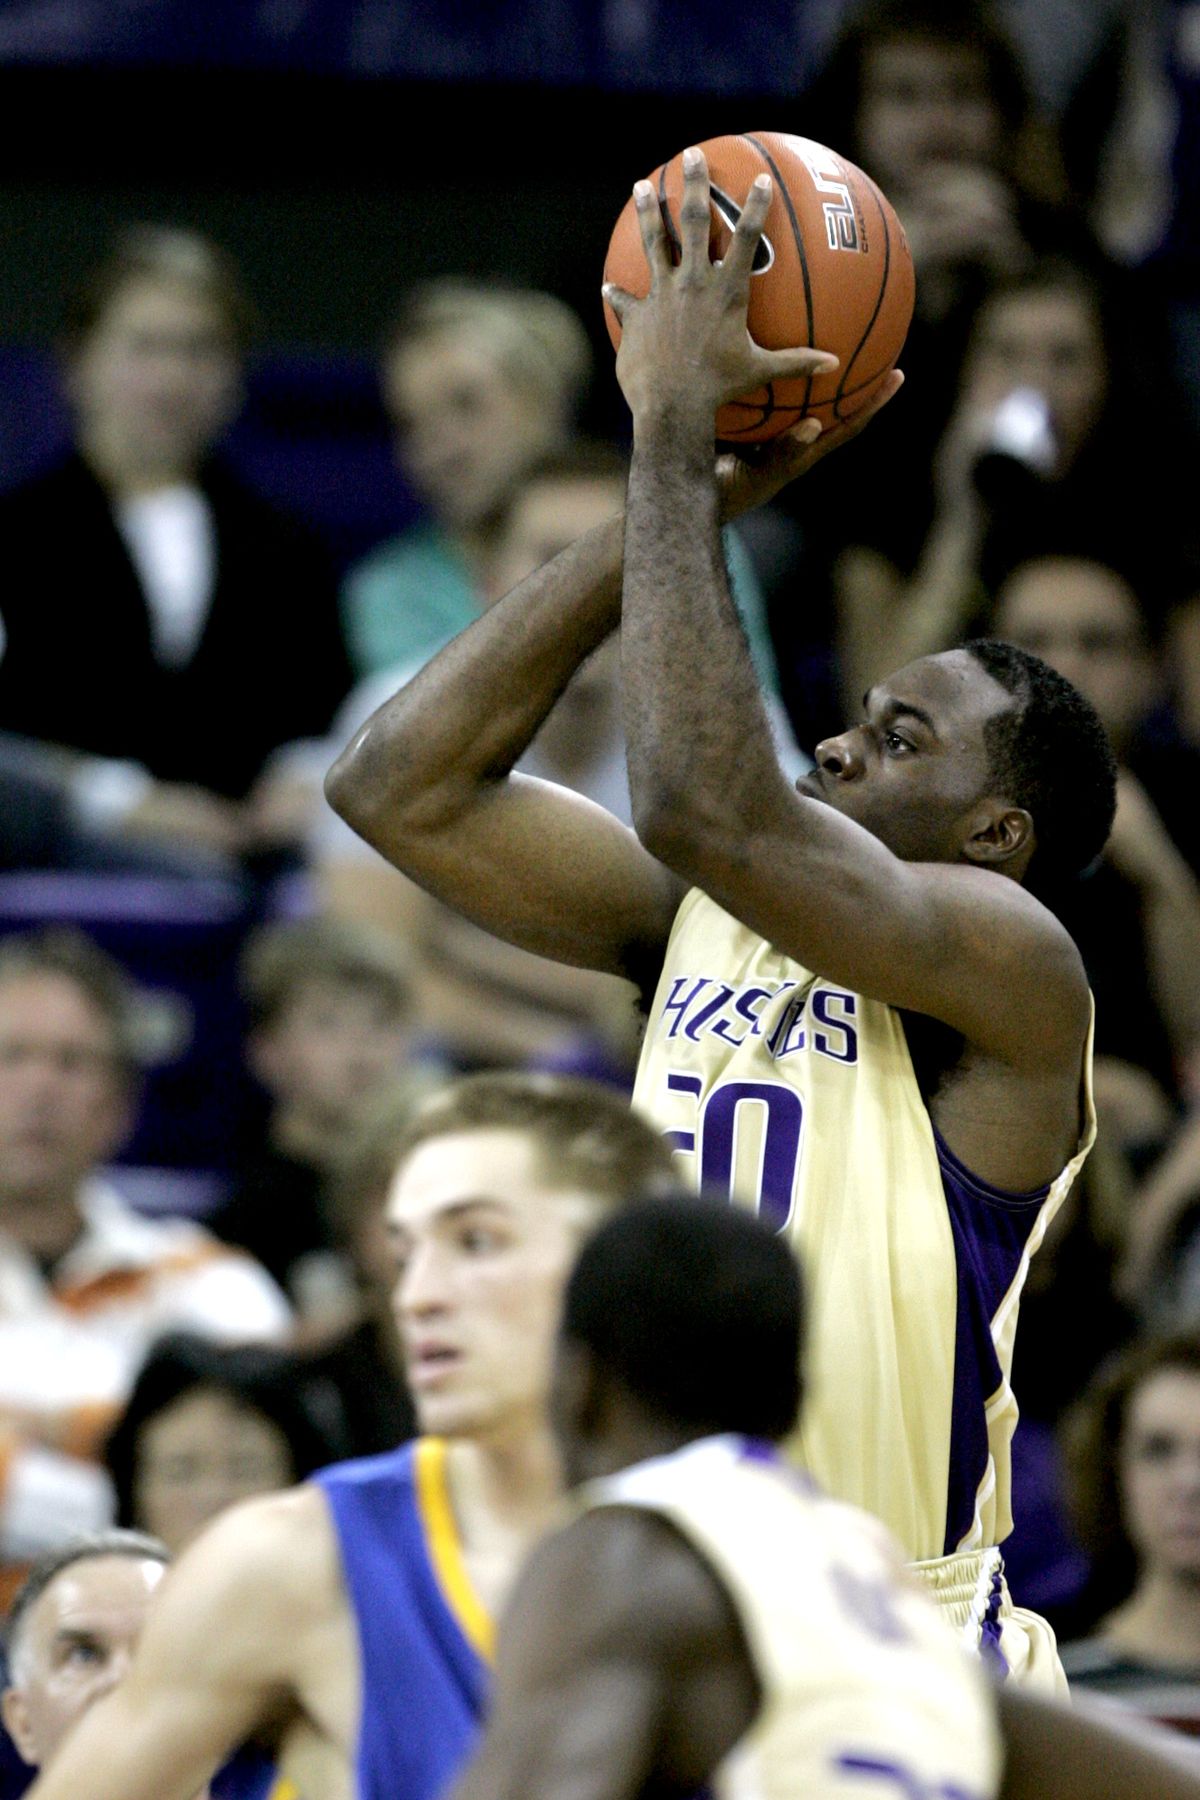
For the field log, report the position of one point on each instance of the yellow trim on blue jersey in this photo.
(283, 1789)
(445, 1547)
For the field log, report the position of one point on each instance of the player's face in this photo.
(1050, 341)
(1160, 1473)
(77, 1644)
(330, 1050)
(914, 770)
(465, 431)
(157, 379)
(198, 1456)
(63, 1103)
(483, 1239)
(924, 104)
(1082, 620)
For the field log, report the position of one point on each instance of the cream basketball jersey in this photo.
(799, 1097)
(865, 1694)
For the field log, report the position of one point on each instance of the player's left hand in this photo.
(685, 349)
(752, 475)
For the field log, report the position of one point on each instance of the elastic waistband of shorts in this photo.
(969, 1587)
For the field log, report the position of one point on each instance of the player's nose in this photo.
(840, 757)
(421, 1288)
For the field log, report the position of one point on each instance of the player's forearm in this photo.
(470, 714)
(699, 740)
(113, 1753)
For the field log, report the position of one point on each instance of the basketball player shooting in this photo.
(865, 1020)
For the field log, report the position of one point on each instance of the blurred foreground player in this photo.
(709, 1621)
(354, 1614)
(857, 1025)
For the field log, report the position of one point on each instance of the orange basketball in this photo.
(832, 272)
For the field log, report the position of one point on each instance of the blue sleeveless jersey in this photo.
(425, 1640)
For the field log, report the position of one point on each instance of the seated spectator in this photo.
(1134, 1459)
(86, 1283)
(1160, 1273)
(480, 380)
(1085, 620)
(210, 1424)
(149, 598)
(71, 1631)
(483, 383)
(1035, 461)
(331, 1028)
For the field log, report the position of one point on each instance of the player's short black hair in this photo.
(1050, 754)
(85, 1547)
(695, 1307)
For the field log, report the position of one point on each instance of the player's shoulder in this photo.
(393, 1470)
(625, 1576)
(1015, 927)
(277, 1552)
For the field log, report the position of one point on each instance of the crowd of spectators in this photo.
(180, 662)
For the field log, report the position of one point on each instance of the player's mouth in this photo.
(428, 1364)
(812, 785)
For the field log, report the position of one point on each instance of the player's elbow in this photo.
(344, 786)
(362, 786)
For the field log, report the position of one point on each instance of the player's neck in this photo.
(508, 1479)
(504, 1491)
(632, 1438)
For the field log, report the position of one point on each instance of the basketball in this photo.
(832, 272)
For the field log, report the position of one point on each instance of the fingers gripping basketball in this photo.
(831, 271)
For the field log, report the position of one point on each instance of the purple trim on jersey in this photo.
(991, 1228)
(990, 1652)
(757, 1449)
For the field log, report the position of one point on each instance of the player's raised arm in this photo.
(881, 873)
(216, 1659)
(429, 780)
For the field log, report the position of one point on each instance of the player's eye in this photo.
(479, 1240)
(82, 1654)
(894, 744)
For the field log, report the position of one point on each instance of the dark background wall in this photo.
(332, 189)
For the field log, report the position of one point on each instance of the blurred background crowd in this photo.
(301, 374)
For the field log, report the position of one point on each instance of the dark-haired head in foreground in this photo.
(682, 1319)
(988, 756)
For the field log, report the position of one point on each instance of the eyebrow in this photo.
(895, 708)
(455, 1211)
(67, 1636)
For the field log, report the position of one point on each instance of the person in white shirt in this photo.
(86, 1283)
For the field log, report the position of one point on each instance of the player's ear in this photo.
(999, 834)
(15, 1714)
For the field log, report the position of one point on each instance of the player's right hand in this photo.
(751, 476)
